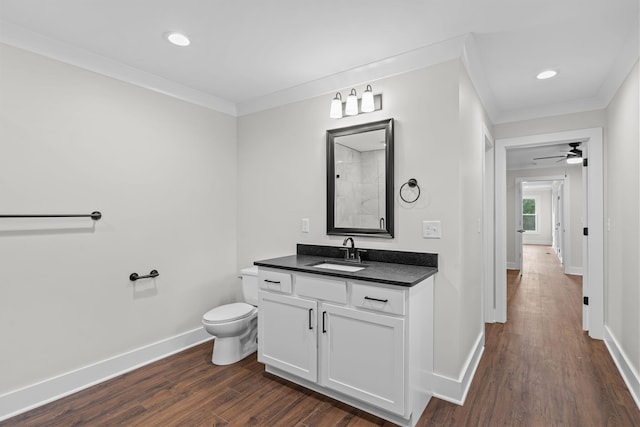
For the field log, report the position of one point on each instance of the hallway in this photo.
(538, 369)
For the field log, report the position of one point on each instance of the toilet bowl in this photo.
(235, 326)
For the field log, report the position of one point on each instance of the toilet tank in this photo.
(250, 285)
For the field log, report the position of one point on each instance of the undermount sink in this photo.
(327, 265)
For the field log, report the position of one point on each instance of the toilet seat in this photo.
(228, 313)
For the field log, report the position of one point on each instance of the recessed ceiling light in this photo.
(178, 39)
(546, 74)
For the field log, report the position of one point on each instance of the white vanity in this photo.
(366, 343)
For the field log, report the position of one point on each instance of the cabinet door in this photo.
(362, 355)
(287, 337)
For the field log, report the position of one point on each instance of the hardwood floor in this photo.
(538, 369)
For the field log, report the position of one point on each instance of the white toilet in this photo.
(235, 326)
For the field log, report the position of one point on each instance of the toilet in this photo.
(235, 326)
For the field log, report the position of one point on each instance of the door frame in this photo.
(558, 238)
(518, 236)
(593, 257)
(488, 225)
(566, 209)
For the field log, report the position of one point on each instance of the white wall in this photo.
(282, 178)
(543, 211)
(162, 173)
(622, 273)
(565, 122)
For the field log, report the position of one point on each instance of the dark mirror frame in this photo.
(387, 231)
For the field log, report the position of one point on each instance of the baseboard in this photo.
(17, 401)
(631, 378)
(455, 390)
(543, 243)
(573, 270)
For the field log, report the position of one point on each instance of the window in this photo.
(529, 214)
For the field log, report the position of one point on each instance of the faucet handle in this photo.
(348, 253)
(357, 254)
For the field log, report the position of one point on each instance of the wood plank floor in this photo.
(538, 369)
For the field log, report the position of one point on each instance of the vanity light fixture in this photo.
(336, 107)
(547, 74)
(178, 39)
(352, 104)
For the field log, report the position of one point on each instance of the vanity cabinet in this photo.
(287, 334)
(368, 345)
(362, 355)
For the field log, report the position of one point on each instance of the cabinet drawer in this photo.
(322, 289)
(274, 281)
(378, 298)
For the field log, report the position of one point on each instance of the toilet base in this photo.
(228, 350)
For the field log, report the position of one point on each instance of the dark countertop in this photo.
(399, 274)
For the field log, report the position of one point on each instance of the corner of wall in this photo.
(455, 390)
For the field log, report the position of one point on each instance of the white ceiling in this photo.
(247, 55)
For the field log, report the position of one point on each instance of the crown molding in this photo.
(473, 64)
(407, 61)
(622, 66)
(463, 47)
(20, 37)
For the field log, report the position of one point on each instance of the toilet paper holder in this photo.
(135, 276)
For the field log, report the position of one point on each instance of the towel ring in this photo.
(412, 183)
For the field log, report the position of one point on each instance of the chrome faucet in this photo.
(344, 243)
(351, 254)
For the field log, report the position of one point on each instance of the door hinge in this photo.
(585, 231)
(585, 300)
(585, 162)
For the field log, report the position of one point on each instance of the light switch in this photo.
(431, 229)
(305, 225)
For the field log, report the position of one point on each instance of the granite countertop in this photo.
(408, 268)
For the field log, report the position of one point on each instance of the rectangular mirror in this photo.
(360, 180)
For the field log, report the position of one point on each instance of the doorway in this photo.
(593, 256)
(543, 215)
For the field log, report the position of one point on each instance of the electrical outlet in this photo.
(431, 229)
(305, 225)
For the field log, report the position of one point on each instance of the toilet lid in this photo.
(228, 312)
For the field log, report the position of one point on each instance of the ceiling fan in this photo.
(574, 155)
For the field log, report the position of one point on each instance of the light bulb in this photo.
(352, 104)
(367, 105)
(574, 160)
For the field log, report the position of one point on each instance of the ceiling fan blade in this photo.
(550, 157)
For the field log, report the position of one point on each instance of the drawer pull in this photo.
(376, 299)
(310, 313)
(275, 282)
(324, 329)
